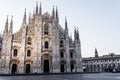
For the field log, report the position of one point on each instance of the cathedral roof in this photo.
(46, 15)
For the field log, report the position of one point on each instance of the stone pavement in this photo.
(93, 76)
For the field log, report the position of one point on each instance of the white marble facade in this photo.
(40, 46)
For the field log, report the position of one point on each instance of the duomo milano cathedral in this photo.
(40, 46)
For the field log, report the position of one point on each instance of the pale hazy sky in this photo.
(98, 20)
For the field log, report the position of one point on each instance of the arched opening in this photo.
(46, 66)
(84, 69)
(71, 54)
(98, 68)
(46, 44)
(72, 67)
(27, 68)
(62, 69)
(15, 52)
(61, 54)
(61, 43)
(14, 69)
(46, 28)
(28, 53)
(29, 41)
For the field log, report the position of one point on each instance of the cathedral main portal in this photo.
(14, 69)
(46, 61)
(46, 66)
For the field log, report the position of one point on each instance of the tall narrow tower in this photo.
(55, 44)
(23, 44)
(96, 53)
(4, 48)
(78, 51)
(10, 43)
(67, 46)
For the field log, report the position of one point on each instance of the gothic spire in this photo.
(77, 33)
(24, 18)
(6, 24)
(74, 33)
(56, 13)
(66, 26)
(40, 9)
(11, 24)
(53, 12)
(36, 8)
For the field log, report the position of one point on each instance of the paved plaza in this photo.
(98, 76)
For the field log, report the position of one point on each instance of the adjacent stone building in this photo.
(105, 63)
(40, 46)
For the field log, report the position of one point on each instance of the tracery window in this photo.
(46, 29)
(15, 52)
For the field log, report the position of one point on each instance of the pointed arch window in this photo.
(61, 43)
(29, 41)
(46, 44)
(15, 52)
(61, 54)
(46, 29)
(28, 53)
